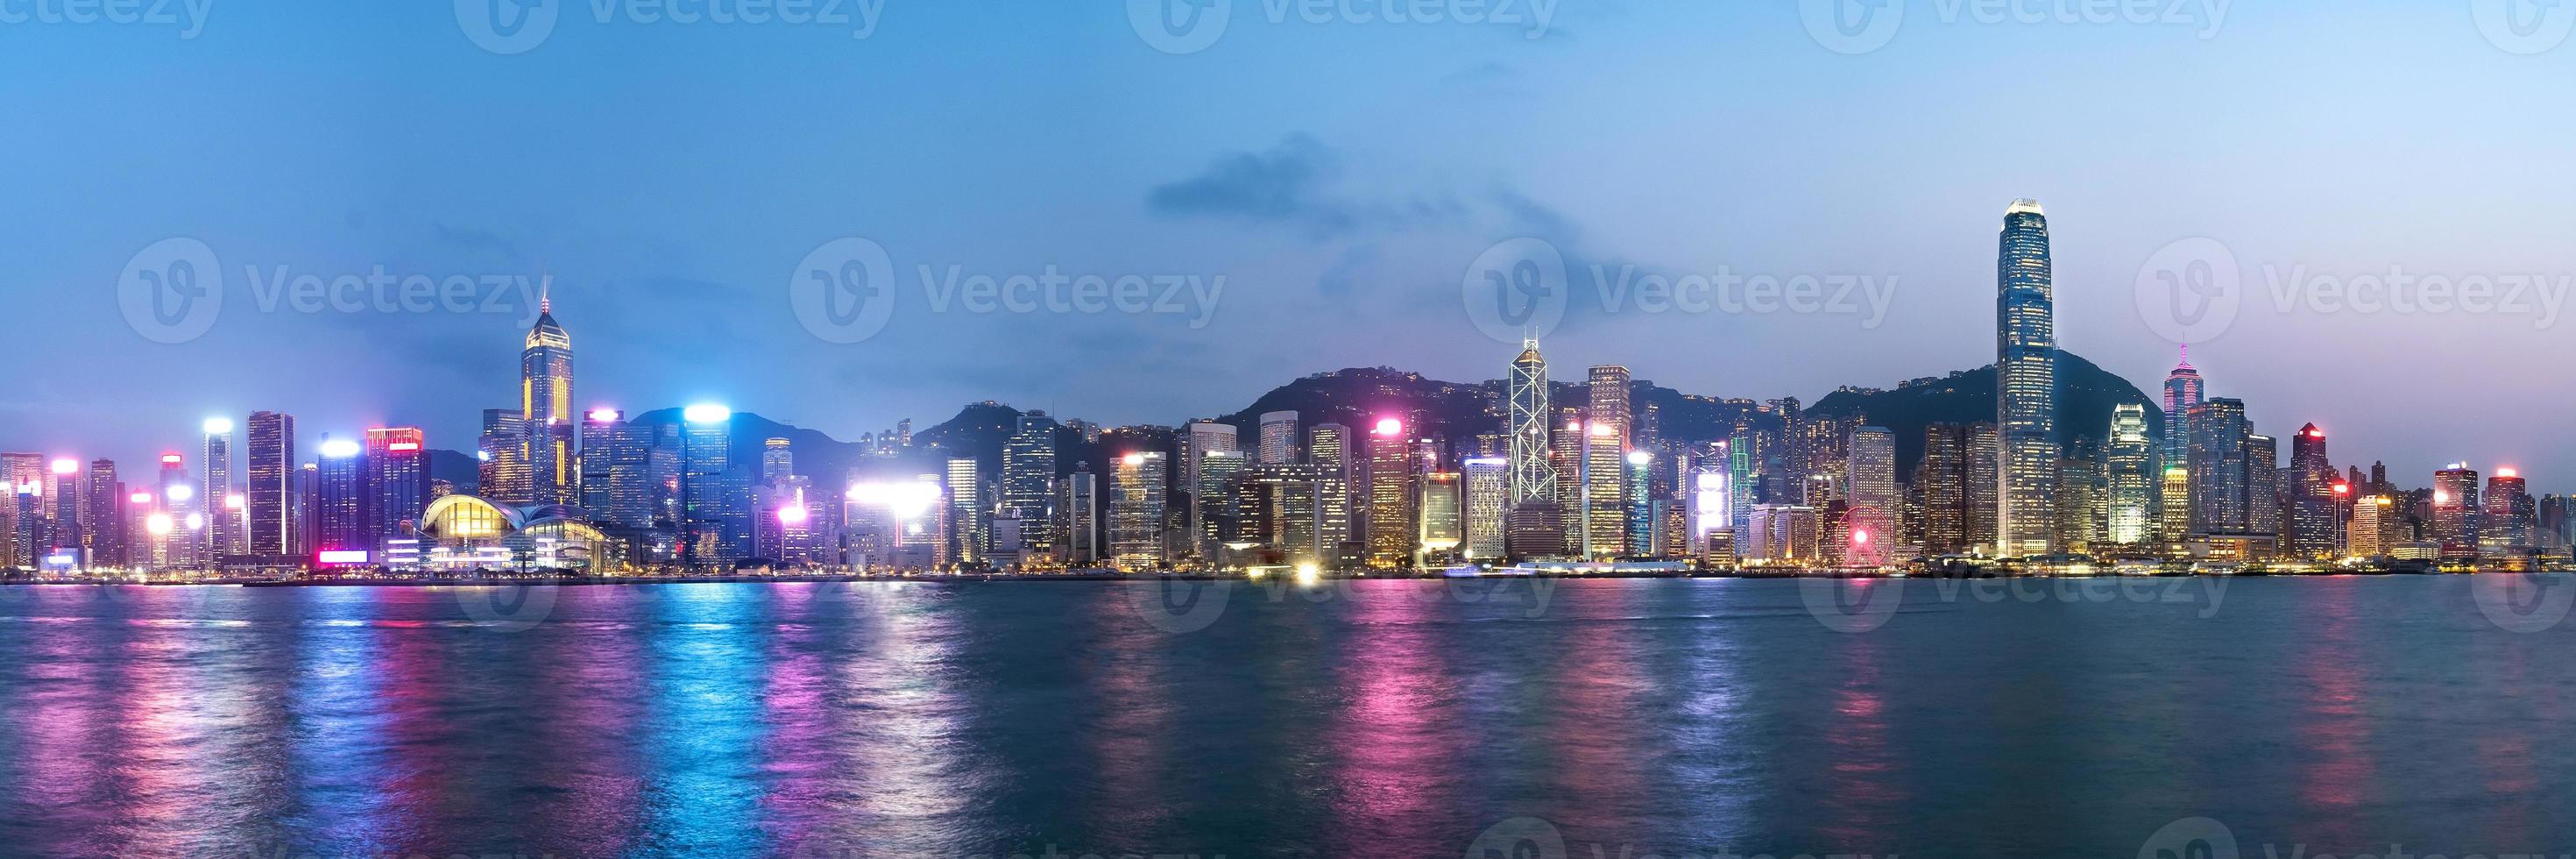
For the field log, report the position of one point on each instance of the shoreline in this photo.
(1104, 576)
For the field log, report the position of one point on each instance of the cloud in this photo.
(1291, 184)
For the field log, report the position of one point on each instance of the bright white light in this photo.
(1639, 457)
(1133, 459)
(706, 413)
(180, 492)
(603, 415)
(218, 426)
(68, 465)
(1308, 574)
(339, 448)
(158, 524)
(792, 515)
(907, 501)
(1390, 426)
(196, 521)
(233, 501)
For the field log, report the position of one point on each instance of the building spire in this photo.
(545, 290)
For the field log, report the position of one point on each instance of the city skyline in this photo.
(1342, 222)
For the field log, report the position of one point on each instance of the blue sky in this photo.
(1341, 176)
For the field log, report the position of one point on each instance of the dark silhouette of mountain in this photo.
(460, 470)
(2086, 394)
(1459, 411)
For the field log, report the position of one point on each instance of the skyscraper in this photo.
(968, 522)
(1488, 503)
(2026, 376)
(1443, 521)
(1278, 438)
(1874, 504)
(546, 415)
(1028, 482)
(2312, 525)
(224, 534)
(107, 523)
(2509, 516)
(1607, 390)
(1533, 478)
(339, 523)
(1605, 510)
(2128, 479)
(1390, 495)
(396, 484)
(1136, 512)
(2455, 511)
(1984, 486)
(270, 499)
(599, 431)
(502, 471)
(1944, 478)
(1081, 517)
(2219, 434)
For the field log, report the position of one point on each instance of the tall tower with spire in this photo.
(2182, 392)
(2026, 383)
(1532, 477)
(545, 407)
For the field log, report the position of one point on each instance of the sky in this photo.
(701, 196)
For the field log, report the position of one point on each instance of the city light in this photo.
(339, 448)
(706, 413)
(1639, 457)
(907, 501)
(157, 524)
(793, 514)
(2507, 473)
(1860, 536)
(1133, 459)
(196, 521)
(68, 466)
(233, 501)
(602, 416)
(1308, 573)
(218, 426)
(138, 498)
(1602, 430)
(1389, 427)
(341, 556)
(178, 492)
(171, 459)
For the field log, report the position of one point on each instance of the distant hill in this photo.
(2086, 394)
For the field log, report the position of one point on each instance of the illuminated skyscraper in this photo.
(2026, 372)
(1644, 508)
(107, 525)
(1390, 496)
(1278, 438)
(1443, 520)
(1607, 389)
(2219, 434)
(714, 516)
(1533, 477)
(2312, 526)
(270, 498)
(2263, 485)
(969, 521)
(1081, 517)
(1489, 492)
(2175, 515)
(225, 536)
(546, 415)
(502, 471)
(1028, 482)
(2376, 528)
(339, 520)
(2081, 496)
(1216, 505)
(396, 485)
(2509, 515)
(2455, 511)
(599, 429)
(1984, 487)
(1604, 517)
(1136, 512)
(1944, 478)
(2128, 479)
(1874, 503)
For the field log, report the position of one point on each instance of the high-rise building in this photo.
(1391, 523)
(2183, 389)
(2263, 486)
(1278, 438)
(1028, 482)
(1984, 486)
(546, 416)
(107, 525)
(270, 498)
(396, 483)
(1216, 507)
(1198, 440)
(1533, 477)
(599, 438)
(713, 516)
(1605, 498)
(502, 471)
(1870, 455)
(2128, 478)
(1644, 507)
(2509, 516)
(2026, 371)
(1443, 521)
(2456, 511)
(226, 536)
(2377, 527)
(2219, 435)
(969, 518)
(2312, 524)
(2082, 496)
(1136, 512)
(1081, 517)
(2175, 515)
(1489, 492)
(1943, 475)
(339, 520)
(1606, 389)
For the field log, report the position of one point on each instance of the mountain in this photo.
(2085, 395)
